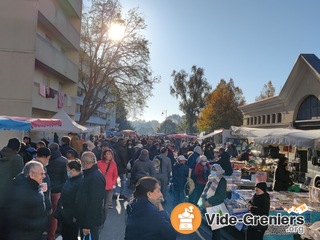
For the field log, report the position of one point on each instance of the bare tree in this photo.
(113, 70)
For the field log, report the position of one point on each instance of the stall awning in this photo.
(36, 122)
(211, 134)
(11, 124)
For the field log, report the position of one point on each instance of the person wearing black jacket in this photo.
(259, 205)
(66, 208)
(65, 146)
(224, 162)
(89, 201)
(57, 172)
(282, 178)
(27, 216)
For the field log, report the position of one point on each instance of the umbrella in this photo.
(11, 124)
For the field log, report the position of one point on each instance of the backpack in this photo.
(157, 163)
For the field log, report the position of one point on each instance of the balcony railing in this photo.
(50, 56)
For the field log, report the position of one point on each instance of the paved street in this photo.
(114, 227)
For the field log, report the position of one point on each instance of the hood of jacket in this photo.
(7, 153)
(55, 154)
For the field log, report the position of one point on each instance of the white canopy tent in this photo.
(68, 124)
(282, 136)
(215, 132)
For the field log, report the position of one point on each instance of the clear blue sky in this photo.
(250, 41)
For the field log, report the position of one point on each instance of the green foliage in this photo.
(145, 127)
(167, 126)
(192, 92)
(121, 118)
(221, 109)
(267, 91)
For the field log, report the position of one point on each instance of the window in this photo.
(279, 118)
(309, 109)
(255, 120)
(273, 120)
(259, 120)
(263, 119)
(248, 121)
(268, 119)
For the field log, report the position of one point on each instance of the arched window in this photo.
(309, 108)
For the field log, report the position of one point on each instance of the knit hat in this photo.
(14, 144)
(198, 149)
(262, 186)
(218, 168)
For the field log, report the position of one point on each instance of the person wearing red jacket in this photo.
(201, 173)
(108, 168)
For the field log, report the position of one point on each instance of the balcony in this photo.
(55, 21)
(51, 104)
(51, 57)
(73, 7)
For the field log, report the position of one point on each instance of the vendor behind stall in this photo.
(282, 178)
(259, 205)
(224, 162)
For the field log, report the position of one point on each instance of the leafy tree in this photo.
(167, 126)
(267, 91)
(192, 92)
(113, 70)
(221, 109)
(121, 118)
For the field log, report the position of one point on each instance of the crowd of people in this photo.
(71, 184)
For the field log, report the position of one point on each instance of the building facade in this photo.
(297, 105)
(39, 55)
(39, 59)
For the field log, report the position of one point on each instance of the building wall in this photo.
(39, 44)
(18, 26)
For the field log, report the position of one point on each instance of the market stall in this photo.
(283, 203)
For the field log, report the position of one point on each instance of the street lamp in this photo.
(164, 112)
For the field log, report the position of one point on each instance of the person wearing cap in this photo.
(218, 190)
(179, 179)
(11, 164)
(259, 205)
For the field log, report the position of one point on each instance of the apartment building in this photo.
(39, 60)
(39, 54)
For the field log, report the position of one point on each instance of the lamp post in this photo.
(164, 112)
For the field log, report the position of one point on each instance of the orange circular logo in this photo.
(186, 218)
